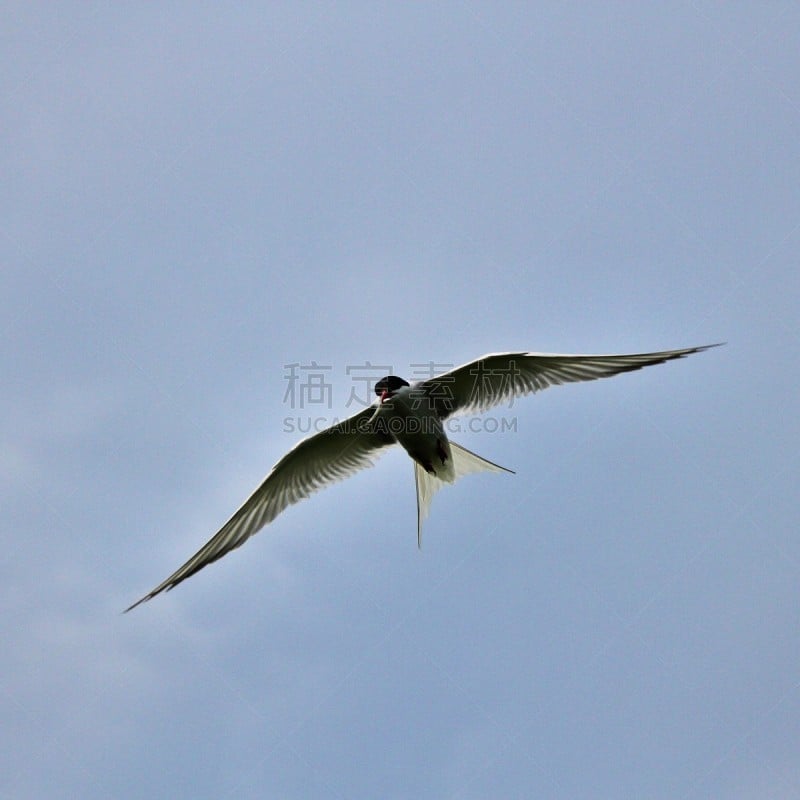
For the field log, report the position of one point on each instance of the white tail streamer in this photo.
(465, 462)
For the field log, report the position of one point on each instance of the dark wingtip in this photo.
(137, 603)
(147, 597)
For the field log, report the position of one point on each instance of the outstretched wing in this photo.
(498, 377)
(315, 462)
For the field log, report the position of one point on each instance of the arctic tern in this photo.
(412, 416)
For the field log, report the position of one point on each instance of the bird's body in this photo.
(418, 429)
(413, 417)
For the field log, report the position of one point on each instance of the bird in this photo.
(413, 416)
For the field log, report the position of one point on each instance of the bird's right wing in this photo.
(315, 462)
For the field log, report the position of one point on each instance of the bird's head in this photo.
(387, 387)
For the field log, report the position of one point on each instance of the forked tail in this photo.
(464, 463)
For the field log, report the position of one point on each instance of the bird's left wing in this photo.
(499, 377)
(318, 460)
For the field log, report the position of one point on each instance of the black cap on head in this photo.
(390, 383)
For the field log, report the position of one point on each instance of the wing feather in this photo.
(315, 462)
(499, 377)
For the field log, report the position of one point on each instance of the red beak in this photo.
(384, 396)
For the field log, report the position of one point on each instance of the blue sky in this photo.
(194, 198)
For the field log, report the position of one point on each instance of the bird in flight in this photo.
(412, 416)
